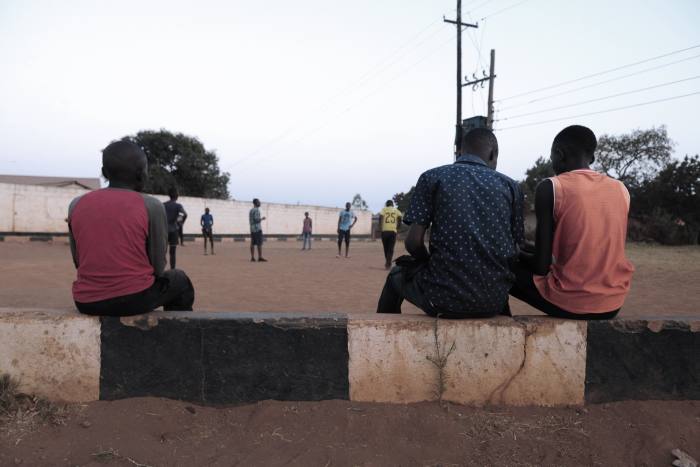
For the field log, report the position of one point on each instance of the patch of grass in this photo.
(9, 388)
(21, 413)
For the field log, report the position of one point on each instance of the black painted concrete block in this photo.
(164, 360)
(643, 360)
(226, 357)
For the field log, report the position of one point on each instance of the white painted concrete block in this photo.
(53, 354)
(494, 361)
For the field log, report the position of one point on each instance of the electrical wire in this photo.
(361, 81)
(597, 99)
(333, 119)
(479, 5)
(588, 86)
(615, 109)
(675, 52)
(503, 10)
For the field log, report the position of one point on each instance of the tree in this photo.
(403, 200)
(533, 176)
(671, 199)
(636, 157)
(358, 202)
(175, 159)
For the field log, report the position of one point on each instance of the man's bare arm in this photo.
(415, 242)
(73, 246)
(541, 260)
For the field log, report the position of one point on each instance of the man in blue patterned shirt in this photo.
(475, 217)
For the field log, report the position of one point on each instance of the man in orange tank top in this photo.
(578, 269)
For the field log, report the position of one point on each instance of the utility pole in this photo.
(480, 81)
(459, 24)
(492, 78)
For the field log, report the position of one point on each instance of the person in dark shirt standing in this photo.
(475, 216)
(207, 223)
(182, 218)
(175, 214)
(118, 240)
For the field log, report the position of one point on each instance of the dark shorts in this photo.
(256, 238)
(344, 235)
(173, 238)
(207, 232)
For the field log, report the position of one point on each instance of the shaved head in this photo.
(125, 165)
(483, 143)
(573, 148)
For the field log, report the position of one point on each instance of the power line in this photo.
(332, 119)
(600, 73)
(364, 78)
(600, 111)
(479, 5)
(597, 99)
(551, 96)
(380, 67)
(503, 10)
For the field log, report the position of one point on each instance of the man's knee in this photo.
(396, 278)
(178, 279)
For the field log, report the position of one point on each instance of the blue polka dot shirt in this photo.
(475, 215)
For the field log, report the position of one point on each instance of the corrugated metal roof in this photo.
(82, 182)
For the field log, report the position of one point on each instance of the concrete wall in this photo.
(217, 358)
(38, 209)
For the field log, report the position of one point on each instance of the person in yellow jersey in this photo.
(389, 221)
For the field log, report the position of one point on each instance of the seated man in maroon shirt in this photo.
(118, 239)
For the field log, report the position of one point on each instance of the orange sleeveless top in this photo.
(590, 272)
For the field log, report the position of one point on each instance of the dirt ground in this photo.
(39, 275)
(161, 432)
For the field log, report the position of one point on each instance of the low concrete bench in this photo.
(240, 357)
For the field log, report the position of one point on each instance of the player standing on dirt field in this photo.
(306, 231)
(181, 218)
(174, 212)
(389, 220)
(207, 223)
(256, 233)
(346, 221)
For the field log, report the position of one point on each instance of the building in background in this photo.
(56, 182)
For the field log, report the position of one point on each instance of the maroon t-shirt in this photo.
(110, 240)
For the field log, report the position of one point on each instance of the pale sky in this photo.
(313, 101)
